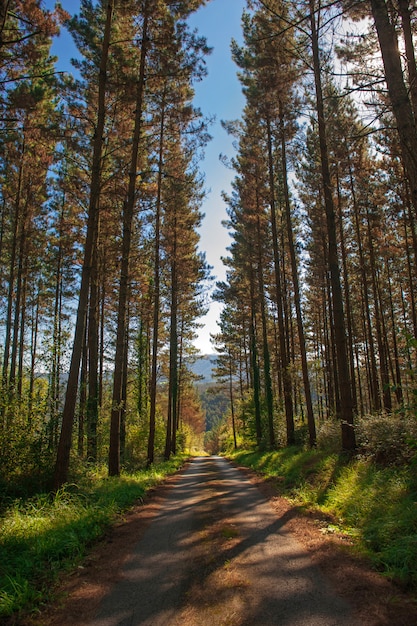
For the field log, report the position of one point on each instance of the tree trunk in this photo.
(297, 300)
(232, 403)
(410, 272)
(397, 377)
(11, 285)
(171, 428)
(128, 213)
(82, 404)
(156, 303)
(404, 9)
(19, 300)
(64, 446)
(398, 92)
(254, 363)
(92, 342)
(345, 387)
(346, 287)
(33, 355)
(266, 356)
(383, 358)
(284, 360)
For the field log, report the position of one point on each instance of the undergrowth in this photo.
(43, 536)
(376, 505)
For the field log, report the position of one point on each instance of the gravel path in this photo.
(217, 554)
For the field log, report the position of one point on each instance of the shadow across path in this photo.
(215, 554)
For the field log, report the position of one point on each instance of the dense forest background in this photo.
(102, 280)
(319, 322)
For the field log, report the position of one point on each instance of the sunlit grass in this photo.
(375, 505)
(43, 536)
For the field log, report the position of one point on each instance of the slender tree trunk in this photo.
(284, 359)
(297, 299)
(404, 9)
(397, 377)
(346, 288)
(19, 300)
(102, 300)
(57, 327)
(180, 369)
(64, 446)
(383, 359)
(91, 412)
(398, 92)
(82, 404)
(128, 213)
(33, 354)
(410, 269)
(232, 403)
(345, 386)
(171, 427)
(123, 411)
(266, 356)
(156, 290)
(22, 331)
(368, 329)
(11, 281)
(255, 364)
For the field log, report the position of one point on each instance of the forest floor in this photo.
(375, 601)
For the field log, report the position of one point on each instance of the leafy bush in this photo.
(388, 439)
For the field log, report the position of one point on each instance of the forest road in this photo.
(217, 554)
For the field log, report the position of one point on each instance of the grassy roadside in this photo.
(46, 535)
(376, 505)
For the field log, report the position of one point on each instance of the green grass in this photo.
(376, 505)
(43, 536)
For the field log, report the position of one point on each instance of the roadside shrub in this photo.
(328, 435)
(387, 439)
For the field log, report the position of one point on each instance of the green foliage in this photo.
(388, 439)
(49, 533)
(215, 402)
(374, 504)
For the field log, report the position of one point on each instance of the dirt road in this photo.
(210, 548)
(217, 554)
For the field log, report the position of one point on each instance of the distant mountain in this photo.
(203, 367)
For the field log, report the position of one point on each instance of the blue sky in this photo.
(219, 95)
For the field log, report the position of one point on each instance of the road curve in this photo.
(217, 554)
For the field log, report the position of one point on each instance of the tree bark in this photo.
(64, 446)
(156, 290)
(284, 359)
(92, 342)
(266, 356)
(345, 387)
(128, 213)
(254, 362)
(404, 9)
(398, 92)
(171, 427)
(296, 284)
